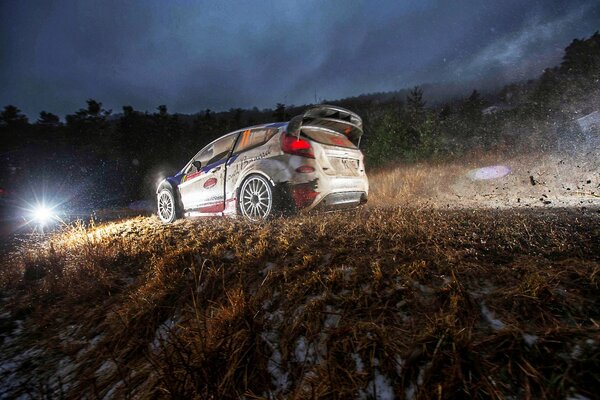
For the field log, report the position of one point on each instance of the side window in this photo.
(253, 138)
(214, 152)
(219, 150)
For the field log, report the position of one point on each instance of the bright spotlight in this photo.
(42, 215)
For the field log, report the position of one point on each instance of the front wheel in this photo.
(166, 206)
(256, 198)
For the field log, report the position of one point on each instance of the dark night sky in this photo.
(193, 55)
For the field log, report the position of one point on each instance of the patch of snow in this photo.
(333, 318)
(61, 381)
(107, 368)
(401, 303)
(67, 334)
(530, 339)
(276, 317)
(91, 346)
(379, 388)
(421, 377)
(486, 289)
(577, 396)
(304, 351)
(410, 391)
(10, 365)
(358, 362)
(274, 366)
(346, 272)
(496, 324)
(576, 352)
(266, 304)
(111, 392)
(269, 267)
(404, 316)
(96, 339)
(399, 364)
(162, 333)
(424, 289)
(307, 352)
(14, 335)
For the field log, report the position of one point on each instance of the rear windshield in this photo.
(329, 138)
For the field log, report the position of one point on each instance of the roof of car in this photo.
(271, 125)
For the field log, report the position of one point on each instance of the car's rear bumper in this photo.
(330, 193)
(341, 200)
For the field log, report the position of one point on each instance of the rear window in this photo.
(329, 138)
(253, 138)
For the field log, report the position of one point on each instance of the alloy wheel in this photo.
(256, 198)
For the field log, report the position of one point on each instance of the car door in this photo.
(203, 189)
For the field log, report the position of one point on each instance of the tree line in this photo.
(114, 157)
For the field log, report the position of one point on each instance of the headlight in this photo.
(43, 215)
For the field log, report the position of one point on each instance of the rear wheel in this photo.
(167, 211)
(256, 198)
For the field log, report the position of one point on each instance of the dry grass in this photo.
(433, 303)
(563, 180)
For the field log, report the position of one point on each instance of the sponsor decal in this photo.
(210, 183)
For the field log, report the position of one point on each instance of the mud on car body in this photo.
(310, 162)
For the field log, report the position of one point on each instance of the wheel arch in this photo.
(167, 184)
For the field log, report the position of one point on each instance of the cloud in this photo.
(524, 53)
(193, 55)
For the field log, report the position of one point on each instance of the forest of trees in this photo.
(101, 156)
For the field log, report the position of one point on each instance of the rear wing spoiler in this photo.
(335, 118)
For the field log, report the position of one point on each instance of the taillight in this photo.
(305, 169)
(296, 146)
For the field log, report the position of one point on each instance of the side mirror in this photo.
(197, 164)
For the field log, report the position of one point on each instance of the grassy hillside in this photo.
(405, 302)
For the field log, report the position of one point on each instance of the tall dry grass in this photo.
(431, 303)
(559, 179)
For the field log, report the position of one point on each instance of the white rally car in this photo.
(310, 162)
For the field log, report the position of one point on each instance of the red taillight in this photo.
(304, 194)
(294, 145)
(305, 169)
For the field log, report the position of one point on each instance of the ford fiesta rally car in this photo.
(310, 162)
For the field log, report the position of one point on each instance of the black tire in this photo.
(167, 205)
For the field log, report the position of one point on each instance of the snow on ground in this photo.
(13, 369)
(110, 394)
(411, 391)
(399, 364)
(107, 368)
(496, 324)
(333, 318)
(530, 339)
(577, 396)
(379, 388)
(275, 366)
(304, 351)
(358, 362)
(162, 333)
